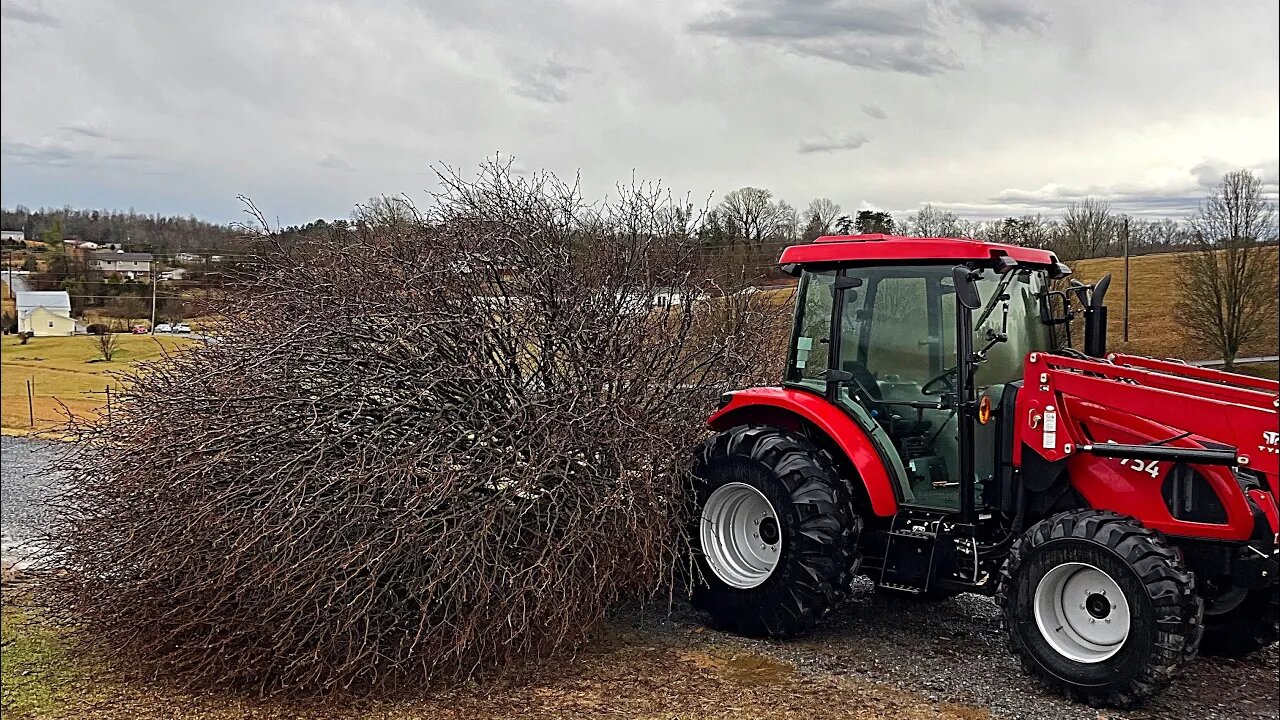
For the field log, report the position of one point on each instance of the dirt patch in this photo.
(633, 669)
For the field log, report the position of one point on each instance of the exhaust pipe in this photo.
(1095, 319)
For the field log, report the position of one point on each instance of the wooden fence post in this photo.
(108, 402)
(31, 411)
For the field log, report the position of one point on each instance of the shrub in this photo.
(420, 450)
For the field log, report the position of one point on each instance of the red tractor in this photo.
(931, 434)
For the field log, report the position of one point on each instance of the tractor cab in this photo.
(881, 342)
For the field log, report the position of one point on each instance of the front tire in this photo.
(1099, 608)
(774, 535)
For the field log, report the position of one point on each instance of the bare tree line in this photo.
(755, 218)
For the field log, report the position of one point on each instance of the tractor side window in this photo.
(898, 338)
(813, 328)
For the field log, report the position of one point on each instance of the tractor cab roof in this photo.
(879, 248)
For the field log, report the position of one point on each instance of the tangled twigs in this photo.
(421, 448)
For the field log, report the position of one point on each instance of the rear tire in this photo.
(777, 589)
(1099, 608)
(1246, 627)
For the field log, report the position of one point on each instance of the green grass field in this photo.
(63, 372)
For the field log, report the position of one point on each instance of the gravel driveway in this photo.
(954, 651)
(24, 483)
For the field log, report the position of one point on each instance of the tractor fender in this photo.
(787, 408)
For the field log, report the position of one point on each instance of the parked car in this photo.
(182, 328)
(164, 328)
(139, 330)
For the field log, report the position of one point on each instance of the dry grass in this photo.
(63, 373)
(1154, 325)
(632, 670)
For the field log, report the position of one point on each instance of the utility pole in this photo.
(154, 279)
(1126, 278)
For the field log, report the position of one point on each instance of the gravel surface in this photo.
(24, 483)
(954, 652)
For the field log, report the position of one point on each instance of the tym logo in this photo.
(1270, 439)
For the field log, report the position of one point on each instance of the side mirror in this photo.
(966, 287)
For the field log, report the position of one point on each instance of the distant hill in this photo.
(134, 231)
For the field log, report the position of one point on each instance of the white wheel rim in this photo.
(1081, 612)
(740, 535)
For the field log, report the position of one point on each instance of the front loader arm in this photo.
(1120, 433)
(1243, 418)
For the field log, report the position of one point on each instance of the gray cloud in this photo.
(764, 19)
(25, 13)
(833, 142)
(1208, 174)
(86, 130)
(51, 152)
(333, 162)
(547, 82)
(905, 36)
(872, 110)
(1171, 199)
(1013, 15)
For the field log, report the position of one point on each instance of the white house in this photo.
(45, 312)
(12, 236)
(129, 265)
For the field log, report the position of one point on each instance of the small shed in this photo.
(45, 313)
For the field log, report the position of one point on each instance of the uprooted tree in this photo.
(418, 451)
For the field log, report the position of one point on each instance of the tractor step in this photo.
(908, 558)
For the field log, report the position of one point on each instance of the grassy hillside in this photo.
(1154, 325)
(63, 370)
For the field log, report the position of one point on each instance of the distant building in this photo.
(45, 313)
(81, 244)
(186, 257)
(121, 264)
(12, 236)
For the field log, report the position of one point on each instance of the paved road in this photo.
(24, 484)
(1239, 361)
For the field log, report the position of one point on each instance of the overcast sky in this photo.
(989, 107)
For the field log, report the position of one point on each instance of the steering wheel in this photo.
(942, 384)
